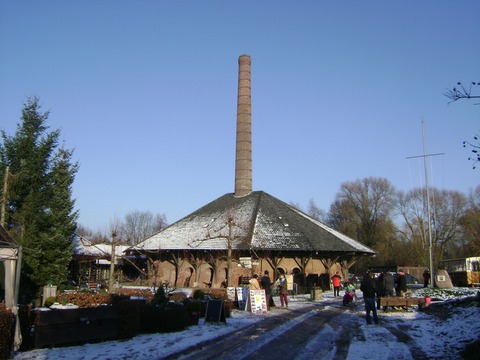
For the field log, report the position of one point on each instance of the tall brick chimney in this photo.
(243, 157)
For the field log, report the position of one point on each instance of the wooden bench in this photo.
(402, 302)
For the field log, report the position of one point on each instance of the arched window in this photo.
(188, 277)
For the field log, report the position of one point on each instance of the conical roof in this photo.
(257, 221)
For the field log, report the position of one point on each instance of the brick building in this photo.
(246, 232)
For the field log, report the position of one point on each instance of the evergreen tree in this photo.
(40, 211)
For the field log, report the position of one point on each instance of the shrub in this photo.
(65, 287)
(50, 301)
(160, 296)
(177, 296)
(145, 293)
(173, 317)
(228, 305)
(7, 323)
(167, 317)
(128, 320)
(220, 294)
(150, 318)
(86, 298)
(192, 305)
(27, 319)
(198, 295)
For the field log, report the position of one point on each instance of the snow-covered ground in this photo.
(435, 337)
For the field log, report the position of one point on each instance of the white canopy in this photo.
(11, 255)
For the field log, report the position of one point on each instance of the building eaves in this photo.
(257, 221)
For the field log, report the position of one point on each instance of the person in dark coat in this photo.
(266, 284)
(379, 288)
(401, 283)
(426, 278)
(368, 287)
(388, 284)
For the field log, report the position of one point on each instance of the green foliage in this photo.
(150, 318)
(167, 317)
(192, 305)
(65, 287)
(177, 296)
(173, 317)
(40, 210)
(160, 296)
(27, 320)
(199, 295)
(128, 321)
(50, 301)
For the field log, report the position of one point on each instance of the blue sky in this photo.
(145, 92)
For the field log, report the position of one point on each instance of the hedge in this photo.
(7, 331)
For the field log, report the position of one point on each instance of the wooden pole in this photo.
(4, 195)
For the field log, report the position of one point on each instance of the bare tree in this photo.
(475, 148)
(312, 210)
(139, 225)
(116, 230)
(315, 212)
(234, 231)
(460, 92)
(411, 207)
(362, 210)
(448, 210)
(118, 234)
(470, 223)
(94, 237)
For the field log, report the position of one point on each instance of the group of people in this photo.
(384, 285)
(374, 288)
(266, 284)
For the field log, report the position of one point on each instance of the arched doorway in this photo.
(298, 279)
(188, 277)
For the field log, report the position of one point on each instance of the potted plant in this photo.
(193, 308)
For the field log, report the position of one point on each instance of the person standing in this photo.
(253, 283)
(379, 288)
(336, 282)
(283, 291)
(388, 288)
(426, 278)
(266, 284)
(388, 284)
(368, 287)
(401, 283)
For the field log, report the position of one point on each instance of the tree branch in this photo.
(461, 92)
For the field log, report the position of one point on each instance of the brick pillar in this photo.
(243, 157)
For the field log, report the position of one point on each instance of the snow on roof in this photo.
(84, 247)
(257, 221)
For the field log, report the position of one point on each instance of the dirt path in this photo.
(313, 332)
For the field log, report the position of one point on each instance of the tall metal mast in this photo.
(430, 243)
